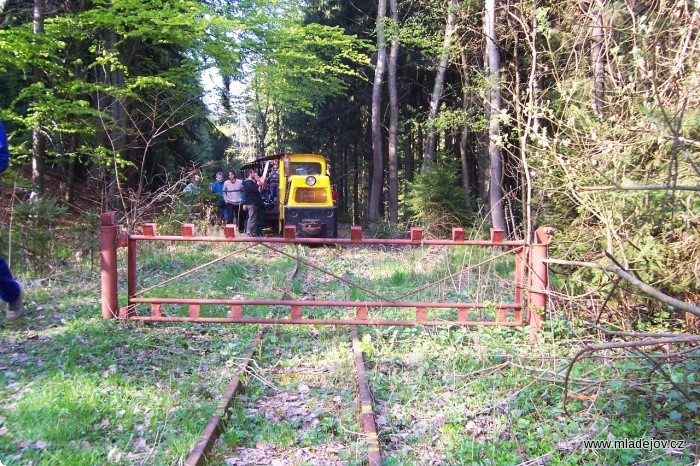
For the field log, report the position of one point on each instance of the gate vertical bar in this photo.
(108, 261)
(131, 277)
(519, 282)
(539, 279)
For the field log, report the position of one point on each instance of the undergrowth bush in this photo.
(386, 230)
(198, 210)
(34, 222)
(437, 202)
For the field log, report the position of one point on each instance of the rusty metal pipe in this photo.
(253, 320)
(131, 267)
(349, 241)
(352, 304)
(108, 263)
(539, 278)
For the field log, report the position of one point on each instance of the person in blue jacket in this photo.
(10, 289)
(217, 187)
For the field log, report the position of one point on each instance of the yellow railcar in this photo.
(304, 196)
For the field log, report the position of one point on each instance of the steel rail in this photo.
(217, 422)
(369, 426)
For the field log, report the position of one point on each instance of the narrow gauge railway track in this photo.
(306, 399)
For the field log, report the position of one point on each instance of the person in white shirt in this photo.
(233, 191)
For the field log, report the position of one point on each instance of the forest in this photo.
(511, 115)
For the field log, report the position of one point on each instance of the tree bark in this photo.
(464, 135)
(116, 136)
(376, 187)
(69, 163)
(431, 142)
(597, 58)
(498, 220)
(356, 217)
(393, 201)
(38, 138)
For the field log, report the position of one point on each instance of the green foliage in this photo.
(634, 151)
(436, 200)
(307, 64)
(171, 220)
(160, 47)
(385, 229)
(35, 223)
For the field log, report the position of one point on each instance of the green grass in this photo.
(487, 398)
(79, 390)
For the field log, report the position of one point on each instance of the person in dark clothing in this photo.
(253, 202)
(10, 289)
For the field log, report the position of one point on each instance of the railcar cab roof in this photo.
(302, 164)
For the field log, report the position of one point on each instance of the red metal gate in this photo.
(530, 281)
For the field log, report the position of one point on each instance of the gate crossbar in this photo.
(296, 306)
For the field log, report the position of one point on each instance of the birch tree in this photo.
(38, 138)
(375, 197)
(598, 57)
(393, 201)
(431, 141)
(493, 110)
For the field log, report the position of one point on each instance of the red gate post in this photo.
(108, 259)
(539, 278)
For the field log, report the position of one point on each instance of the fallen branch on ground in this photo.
(628, 277)
(624, 344)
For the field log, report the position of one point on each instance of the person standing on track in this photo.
(233, 192)
(217, 187)
(253, 201)
(10, 289)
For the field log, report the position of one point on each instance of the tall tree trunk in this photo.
(464, 136)
(226, 93)
(408, 165)
(356, 218)
(375, 197)
(528, 119)
(261, 128)
(597, 58)
(431, 142)
(112, 140)
(69, 163)
(393, 202)
(38, 138)
(494, 110)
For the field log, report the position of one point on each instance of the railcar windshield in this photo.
(305, 168)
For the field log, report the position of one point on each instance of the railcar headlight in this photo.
(310, 180)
